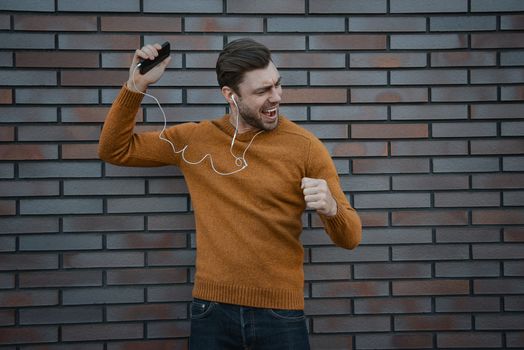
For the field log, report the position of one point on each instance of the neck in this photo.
(243, 127)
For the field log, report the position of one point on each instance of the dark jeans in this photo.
(230, 327)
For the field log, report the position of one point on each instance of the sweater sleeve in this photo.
(345, 228)
(120, 145)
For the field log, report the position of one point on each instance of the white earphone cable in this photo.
(239, 161)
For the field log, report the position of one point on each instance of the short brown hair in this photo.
(239, 57)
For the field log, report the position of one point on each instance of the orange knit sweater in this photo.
(247, 224)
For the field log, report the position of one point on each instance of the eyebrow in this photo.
(267, 87)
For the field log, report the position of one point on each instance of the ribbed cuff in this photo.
(128, 98)
(334, 221)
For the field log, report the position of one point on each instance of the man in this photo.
(250, 175)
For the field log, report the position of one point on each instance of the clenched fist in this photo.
(318, 196)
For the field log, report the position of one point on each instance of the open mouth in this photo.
(271, 113)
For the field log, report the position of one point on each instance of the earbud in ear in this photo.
(233, 98)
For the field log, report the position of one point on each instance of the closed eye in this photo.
(265, 89)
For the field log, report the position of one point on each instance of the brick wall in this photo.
(419, 102)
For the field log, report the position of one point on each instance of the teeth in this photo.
(270, 110)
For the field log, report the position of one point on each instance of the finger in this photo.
(151, 51)
(310, 191)
(316, 205)
(165, 62)
(303, 182)
(316, 197)
(138, 56)
(308, 182)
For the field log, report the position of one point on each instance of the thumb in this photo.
(305, 181)
(165, 62)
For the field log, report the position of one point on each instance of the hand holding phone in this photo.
(143, 62)
(146, 65)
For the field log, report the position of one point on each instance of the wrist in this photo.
(136, 87)
(334, 209)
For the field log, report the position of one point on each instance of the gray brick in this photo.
(374, 201)
(99, 6)
(430, 252)
(470, 129)
(5, 23)
(463, 58)
(494, 76)
(56, 96)
(148, 205)
(306, 24)
(103, 223)
(6, 59)
(319, 255)
(277, 42)
(455, 165)
(18, 261)
(356, 324)
(59, 169)
(387, 24)
(98, 41)
(60, 278)
(496, 6)
(358, 183)
(513, 163)
(428, 41)
(428, 6)
(103, 259)
(59, 133)
(464, 94)
(188, 78)
(429, 77)
(169, 293)
(118, 171)
(396, 236)
(104, 187)
(28, 5)
(16, 225)
(224, 24)
(411, 148)
(467, 269)
(308, 60)
(349, 113)
(183, 6)
(60, 206)
(497, 111)
(28, 114)
(348, 78)
(512, 58)
(343, 6)
(387, 60)
(7, 244)
(30, 316)
(29, 188)
(431, 111)
(462, 23)
(29, 77)
(268, 6)
(27, 41)
(60, 242)
(108, 295)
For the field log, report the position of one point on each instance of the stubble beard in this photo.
(254, 119)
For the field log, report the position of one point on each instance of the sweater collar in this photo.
(225, 125)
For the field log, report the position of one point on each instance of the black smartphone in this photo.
(163, 53)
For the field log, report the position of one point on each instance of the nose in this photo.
(276, 95)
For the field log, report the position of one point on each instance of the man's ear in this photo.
(228, 93)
